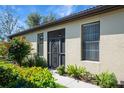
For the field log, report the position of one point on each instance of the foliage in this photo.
(88, 77)
(60, 86)
(8, 21)
(19, 49)
(40, 61)
(106, 80)
(61, 70)
(38, 76)
(14, 76)
(74, 71)
(49, 18)
(8, 74)
(33, 19)
(28, 61)
(4, 46)
(35, 60)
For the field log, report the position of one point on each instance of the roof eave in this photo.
(84, 14)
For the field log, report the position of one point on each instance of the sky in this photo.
(59, 10)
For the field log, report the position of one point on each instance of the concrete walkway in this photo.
(70, 82)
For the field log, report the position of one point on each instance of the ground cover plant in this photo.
(104, 80)
(61, 70)
(75, 71)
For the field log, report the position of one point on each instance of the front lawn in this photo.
(13, 76)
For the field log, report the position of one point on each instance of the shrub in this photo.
(8, 74)
(34, 60)
(19, 49)
(106, 80)
(61, 70)
(40, 61)
(38, 76)
(14, 76)
(28, 61)
(4, 49)
(74, 71)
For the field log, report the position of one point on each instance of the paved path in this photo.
(72, 83)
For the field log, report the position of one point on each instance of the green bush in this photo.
(28, 61)
(61, 70)
(8, 74)
(40, 61)
(19, 49)
(38, 76)
(34, 60)
(74, 71)
(15, 77)
(106, 80)
(4, 48)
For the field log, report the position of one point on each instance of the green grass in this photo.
(60, 86)
(57, 86)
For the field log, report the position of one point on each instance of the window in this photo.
(90, 41)
(40, 44)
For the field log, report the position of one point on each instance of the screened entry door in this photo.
(56, 49)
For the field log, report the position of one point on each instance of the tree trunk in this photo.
(20, 63)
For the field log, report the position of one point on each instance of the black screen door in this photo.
(56, 48)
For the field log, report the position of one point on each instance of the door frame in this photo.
(59, 39)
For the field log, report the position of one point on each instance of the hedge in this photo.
(13, 76)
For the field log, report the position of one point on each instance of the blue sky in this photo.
(59, 10)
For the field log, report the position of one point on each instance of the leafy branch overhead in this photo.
(8, 22)
(35, 19)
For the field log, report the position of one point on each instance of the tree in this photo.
(8, 22)
(33, 19)
(49, 18)
(19, 49)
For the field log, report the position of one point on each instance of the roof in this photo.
(83, 14)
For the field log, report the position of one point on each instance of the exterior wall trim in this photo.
(76, 16)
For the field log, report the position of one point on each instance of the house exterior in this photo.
(93, 38)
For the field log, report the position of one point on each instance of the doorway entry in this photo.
(56, 48)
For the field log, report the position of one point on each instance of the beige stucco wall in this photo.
(111, 43)
(32, 37)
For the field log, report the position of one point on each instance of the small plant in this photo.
(88, 77)
(61, 70)
(34, 60)
(28, 61)
(74, 71)
(40, 61)
(19, 49)
(106, 80)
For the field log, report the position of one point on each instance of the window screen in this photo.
(90, 41)
(40, 44)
